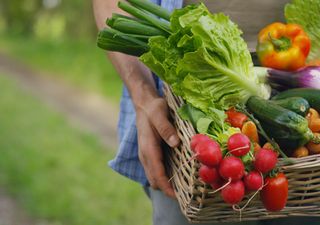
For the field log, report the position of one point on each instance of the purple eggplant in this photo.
(307, 77)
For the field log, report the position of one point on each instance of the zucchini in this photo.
(295, 104)
(312, 95)
(287, 128)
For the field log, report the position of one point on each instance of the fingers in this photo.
(161, 180)
(158, 115)
(151, 156)
(157, 178)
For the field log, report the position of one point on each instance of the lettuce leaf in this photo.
(205, 60)
(307, 14)
(213, 125)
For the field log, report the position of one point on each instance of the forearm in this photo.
(134, 74)
(152, 121)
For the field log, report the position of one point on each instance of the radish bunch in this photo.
(230, 173)
(207, 151)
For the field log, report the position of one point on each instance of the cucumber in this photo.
(312, 95)
(295, 104)
(287, 128)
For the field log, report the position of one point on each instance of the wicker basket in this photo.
(198, 205)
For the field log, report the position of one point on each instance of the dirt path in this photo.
(87, 111)
(12, 214)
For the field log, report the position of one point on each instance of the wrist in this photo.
(143, 94)
(137, 77)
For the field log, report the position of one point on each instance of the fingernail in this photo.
(173, 141)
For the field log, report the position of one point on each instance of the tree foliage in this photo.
(23, 16)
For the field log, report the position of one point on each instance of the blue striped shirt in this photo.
(126, 161)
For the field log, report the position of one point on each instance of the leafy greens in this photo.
(205, 60)
(200, 55)
(307, 14)
(212, 124)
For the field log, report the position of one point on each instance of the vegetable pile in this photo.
(200, 55)
(242, 167)
(242, 129)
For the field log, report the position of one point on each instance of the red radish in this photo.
(209, 153)
(208, 174)
(253, 181)
(231, 167)
(238, 144)
(265, 160)
(196, 139)
(233, 193)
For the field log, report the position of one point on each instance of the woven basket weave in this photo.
(199, 205)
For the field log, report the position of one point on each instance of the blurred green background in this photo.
(54, 170)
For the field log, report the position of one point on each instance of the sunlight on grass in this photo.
(58, 172)
(81, 63)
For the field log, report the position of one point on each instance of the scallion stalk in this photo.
(138, 13)
(113, 40)
(117, 15)
(152, 8)
(129, 26)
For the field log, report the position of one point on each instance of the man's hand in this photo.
(151, 110)
(153, 127)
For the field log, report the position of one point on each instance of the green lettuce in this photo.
(212, 124)
(205, 60)
(307, 14)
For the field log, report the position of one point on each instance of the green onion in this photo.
(152, 8)
(130, 35)
(116, 15)
(130, 26)
(113, 40)
(163, 25)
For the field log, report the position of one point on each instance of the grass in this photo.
(58, 172)
(80, 63)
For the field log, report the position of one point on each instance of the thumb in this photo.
(165, 129)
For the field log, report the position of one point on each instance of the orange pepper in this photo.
(300, 152)
(312, 114)
(314, 148)
(250, 130)
(314, 125)
(283, 46)
(313, 118)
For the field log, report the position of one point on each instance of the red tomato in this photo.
(236, 119)
(275, 194)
